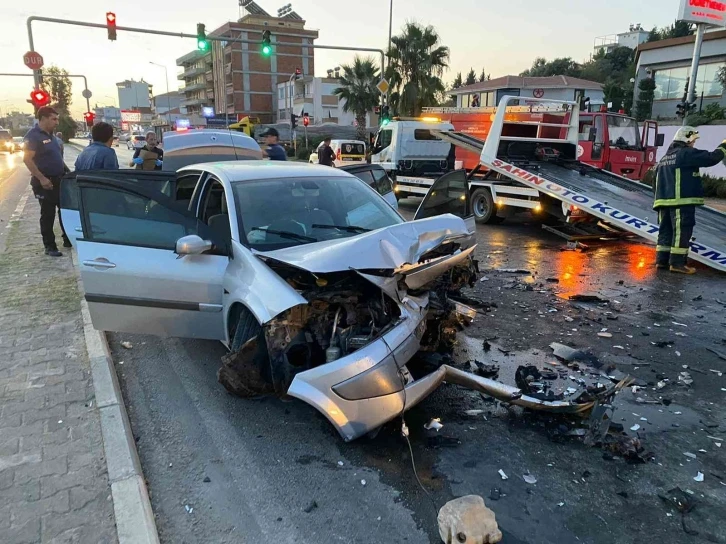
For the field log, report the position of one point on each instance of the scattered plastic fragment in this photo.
(188, 508)
(679, 324)
(503, 475)
(434, 424)
(529, 479)
(698, 477)
(363, 482)
(635, 427)
(618, 347)
(689, 454)
(717, 372)
(560, 504)
(340, 463)
(605, 335)
(473, 413)
(127, 345)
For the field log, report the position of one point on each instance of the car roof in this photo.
(235, 171)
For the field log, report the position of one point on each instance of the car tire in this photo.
(482, 204)
(247, 327)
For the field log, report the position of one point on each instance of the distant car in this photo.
(376, 178)
(136, 142)
(346, 152)
(6, 141)
(124, 137)
(19, 143)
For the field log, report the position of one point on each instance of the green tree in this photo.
(564, 66)
(418, 61)
(644, 104)
(358, 89)
(458, 82)
(59, 86)
(470, 77)
(721, 76)
(654, 35)
(484, 76)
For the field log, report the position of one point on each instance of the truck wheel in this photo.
(247, 327)
(482, 204)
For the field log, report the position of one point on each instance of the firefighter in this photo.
(678, 190)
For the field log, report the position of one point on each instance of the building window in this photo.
(281, 93)
(671, 84)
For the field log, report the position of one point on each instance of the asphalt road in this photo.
(224, 469)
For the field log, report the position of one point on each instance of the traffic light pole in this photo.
(691, 95)
(85, 83)
(185, 35)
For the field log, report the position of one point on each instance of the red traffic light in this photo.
(111, 25)
(89, 117)
(306, 120)
(39, 98)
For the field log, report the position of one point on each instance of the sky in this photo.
(479, 33)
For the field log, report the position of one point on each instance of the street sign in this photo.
(383, 86)
(86, 94)
(712, 12)
(33, 60)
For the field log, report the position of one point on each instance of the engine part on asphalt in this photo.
(467, 520)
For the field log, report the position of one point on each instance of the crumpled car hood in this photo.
(388, 248)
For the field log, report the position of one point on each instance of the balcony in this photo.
(193, 87)
(191, 72)
(188, 57)
(193, 102)
(209, 76)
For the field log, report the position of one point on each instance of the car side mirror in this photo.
(592, 136)
(659, 140)
(192, 245)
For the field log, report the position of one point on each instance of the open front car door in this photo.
(449, 194)
(147, 264)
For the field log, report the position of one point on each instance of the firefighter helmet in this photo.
(687, 135)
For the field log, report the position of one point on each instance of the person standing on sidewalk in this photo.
(326, 155)
(274, 151)
(678, 190)
(149, 157)
(98, 155)
(44, 159)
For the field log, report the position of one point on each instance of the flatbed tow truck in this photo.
(533, 164)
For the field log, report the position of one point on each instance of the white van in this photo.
(346, 152)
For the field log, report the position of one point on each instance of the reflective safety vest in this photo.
(678, 182)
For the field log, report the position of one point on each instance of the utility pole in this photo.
(86, 93)
(691, 94)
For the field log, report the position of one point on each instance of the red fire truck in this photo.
(607, 140)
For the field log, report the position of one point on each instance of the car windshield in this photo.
(140, 138)
(278, 213)
(623, 132)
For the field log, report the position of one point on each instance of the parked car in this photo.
(346, 152)
(19, 142)
(124, 137)
(136, 141)
(6, 141)
(377, 178)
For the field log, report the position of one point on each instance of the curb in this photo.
(135, 522)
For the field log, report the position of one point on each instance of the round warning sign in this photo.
(651, 156)
(580, 151)
(538, 93)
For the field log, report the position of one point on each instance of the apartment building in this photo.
(245, 81)
(198, 88)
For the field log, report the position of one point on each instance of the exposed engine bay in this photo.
(346, 312)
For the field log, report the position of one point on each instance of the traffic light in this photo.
(111, 25)
(681, 109)
(39, 98)
(293, 121)
(266, 43)
(385, 115)
(89, 116)
(202, 42)
(306, 119)
(298, 73)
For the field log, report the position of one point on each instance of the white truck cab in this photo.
(407, 147)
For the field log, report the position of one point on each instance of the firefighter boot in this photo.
(683, 269)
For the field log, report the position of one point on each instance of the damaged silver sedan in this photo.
(320, 290)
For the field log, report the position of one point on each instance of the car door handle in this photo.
(99, 263)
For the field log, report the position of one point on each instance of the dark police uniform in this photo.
(678, 190)
(49, 160)
(326, 156)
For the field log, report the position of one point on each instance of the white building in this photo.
(133, 95)
(632, 39)
(314, 96)
(489, 93)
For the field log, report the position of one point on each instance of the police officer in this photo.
(678, 190)
(44, 158)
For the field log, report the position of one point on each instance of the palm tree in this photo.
(358, 89)
(417, 62)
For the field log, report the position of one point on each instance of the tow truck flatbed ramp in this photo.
(618, 201)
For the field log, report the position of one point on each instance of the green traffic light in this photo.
(384, 122)
(266, 50)
(202, 45)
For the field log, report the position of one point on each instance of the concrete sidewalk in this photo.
(54, 483)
